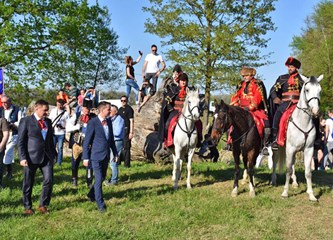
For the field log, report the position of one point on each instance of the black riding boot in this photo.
(274, 144)
(267, 134)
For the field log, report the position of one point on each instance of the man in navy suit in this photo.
(97, 144)
(37, 151)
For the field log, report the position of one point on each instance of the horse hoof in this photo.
(294, 185)
(312, 198)
(273, 184)
(284, 194)
(252, 194)
(175, 187)
(234, 192)
(189, 187)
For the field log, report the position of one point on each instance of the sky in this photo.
(127, 20)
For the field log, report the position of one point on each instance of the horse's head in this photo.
(221, 121)
(191, 105)
(311, 94)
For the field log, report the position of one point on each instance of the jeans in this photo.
(60, 140)
(113, 164)
(130, 83)
(327, 161)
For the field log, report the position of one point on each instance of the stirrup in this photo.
(274, 145)
(265, 151)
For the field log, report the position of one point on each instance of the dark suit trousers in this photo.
(100, 168)
(28, 182)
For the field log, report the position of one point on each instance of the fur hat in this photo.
(177, 68)
(248, 71)
(183, 77)
(294, 62)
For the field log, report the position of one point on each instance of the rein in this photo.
(306, 134)
(188, 131)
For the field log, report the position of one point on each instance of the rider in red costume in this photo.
(251, 96)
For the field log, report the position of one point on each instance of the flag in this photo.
(1, 80)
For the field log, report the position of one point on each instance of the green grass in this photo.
(145, 206)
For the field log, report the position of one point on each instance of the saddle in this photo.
(283, 125)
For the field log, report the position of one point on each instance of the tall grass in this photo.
(145, 206)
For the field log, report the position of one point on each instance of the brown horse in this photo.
(245, 139)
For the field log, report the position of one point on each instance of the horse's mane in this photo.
(240, 114)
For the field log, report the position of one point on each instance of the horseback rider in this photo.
(284, 93)
(172, 106)
(251, 96)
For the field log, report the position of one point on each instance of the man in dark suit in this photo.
(36, 150)
(97, 144)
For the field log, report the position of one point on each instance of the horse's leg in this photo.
(189, 167)
(176, 167)
(290, 155)
(251, 157)
(294, 178)
(236, 154)
(245, 176)
(308, 153)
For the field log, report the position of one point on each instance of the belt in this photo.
(118, 140)
(289, 97)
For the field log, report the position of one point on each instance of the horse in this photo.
(245, 139)
(185, 137)
(301, 134)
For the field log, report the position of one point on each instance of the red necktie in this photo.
(104, 122)
(84, 118)
(41, 123)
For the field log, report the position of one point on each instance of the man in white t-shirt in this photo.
(151, 67)
(329, 137)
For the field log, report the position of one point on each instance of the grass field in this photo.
(145, 206)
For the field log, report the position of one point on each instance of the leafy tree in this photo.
(212, 39)
(314, 48)
(46, 43)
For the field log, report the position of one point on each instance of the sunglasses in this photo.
(154, 50)
(123, 100)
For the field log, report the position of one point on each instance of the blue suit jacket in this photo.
(95, 145)
(31, 145)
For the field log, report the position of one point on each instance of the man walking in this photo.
(37, 151)
(97, 144)
(13, 115)
(59, 116)
(118, 126)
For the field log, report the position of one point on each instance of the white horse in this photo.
(301, 135)
(185, 137)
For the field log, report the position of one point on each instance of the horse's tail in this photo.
(281, 164)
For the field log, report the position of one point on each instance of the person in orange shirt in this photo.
(62, 95)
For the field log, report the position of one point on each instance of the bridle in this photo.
(190, 117)
(307, 103)
(306, 133)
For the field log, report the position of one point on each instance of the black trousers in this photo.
(2, 154)
(28, 182)
(278, 114)
(125, 154)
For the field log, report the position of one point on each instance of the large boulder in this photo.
(145, 144)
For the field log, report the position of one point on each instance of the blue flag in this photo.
(1, 80)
